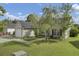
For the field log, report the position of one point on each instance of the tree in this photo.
(66, 17)
(52, 17)
(74, 30)
(47, 20)
(33, 19)
(2, 11)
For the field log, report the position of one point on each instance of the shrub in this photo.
(1, 29)
(14, 33)
(27, 38)
(74, 32)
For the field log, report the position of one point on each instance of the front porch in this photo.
(56, 33)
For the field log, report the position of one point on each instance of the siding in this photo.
(18, 33)
(67, 33)
(22, 33)
(11, 30)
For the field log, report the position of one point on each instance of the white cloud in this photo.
(22, 17)
(19, 13)
(77, 13)
(40, 13)
(76, 20)
(13, 17)
(75, 7)
(10, 16)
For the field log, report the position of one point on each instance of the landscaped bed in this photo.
(69, 47)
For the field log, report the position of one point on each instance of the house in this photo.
(20, 29)
(57, 29)
(9, 28)
(57, 33)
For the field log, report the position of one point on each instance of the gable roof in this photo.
(10, 25)
(24, 25)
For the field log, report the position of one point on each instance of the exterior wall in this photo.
(25, 32)
(28, 32)
(32, 33)
(67, 33)
(22, 33)
(18, 33)
(11, 30)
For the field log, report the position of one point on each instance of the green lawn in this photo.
(69, 47)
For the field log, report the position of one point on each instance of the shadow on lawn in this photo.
(44, 41)
(75, 44)
(15, 43)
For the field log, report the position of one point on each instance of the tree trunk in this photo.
(45, 36)
(37, 32)
(63, 35)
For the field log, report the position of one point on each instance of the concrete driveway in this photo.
(3, 40)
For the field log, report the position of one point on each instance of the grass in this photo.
(68, 47)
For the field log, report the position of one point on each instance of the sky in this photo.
(22, 10)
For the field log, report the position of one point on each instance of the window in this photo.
(55, 33)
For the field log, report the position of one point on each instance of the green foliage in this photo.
(44, 27)
(46, 19)
(3, 23)
(2, 10)
(27, 38)
(66, 7)
(66, 16)
(1, 26)
(14, 33)
(51, 18)
(1, 29)
(74, 31)
(33, 19)
(43, 48)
